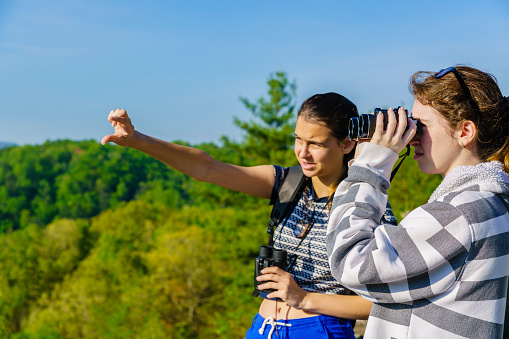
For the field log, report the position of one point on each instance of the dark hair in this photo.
(332, 109)
(446, 96)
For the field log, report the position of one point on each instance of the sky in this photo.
(180, 67)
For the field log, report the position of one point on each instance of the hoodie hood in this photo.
(489, 176)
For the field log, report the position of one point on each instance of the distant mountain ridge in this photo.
(4, 144)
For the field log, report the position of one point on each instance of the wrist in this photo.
(306, 301)
(377, 158)
(137, 140)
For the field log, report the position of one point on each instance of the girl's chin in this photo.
(426, 169)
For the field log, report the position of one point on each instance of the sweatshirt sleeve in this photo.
(385, 263)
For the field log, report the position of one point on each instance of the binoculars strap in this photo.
(402, 157)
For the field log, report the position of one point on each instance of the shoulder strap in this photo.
(288, 196)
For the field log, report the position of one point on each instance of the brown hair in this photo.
(491, 119)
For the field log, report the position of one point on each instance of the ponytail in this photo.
(502, 154)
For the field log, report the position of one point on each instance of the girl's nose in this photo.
(304, 151)
(415, 140)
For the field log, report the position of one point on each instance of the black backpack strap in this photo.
(288, 196)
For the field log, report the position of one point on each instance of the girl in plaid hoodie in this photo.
(442, 273)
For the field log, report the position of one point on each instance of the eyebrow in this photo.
(311, 141)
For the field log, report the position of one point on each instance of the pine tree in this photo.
(269, 138)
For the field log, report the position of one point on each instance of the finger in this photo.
(119, 119)
(392, 122)
(112, 138)
(266, 277)
(403, 120)
(410, 133)
(120, 112)
(106, 139)
(275, 295)
(274, 270)
(110, 116)
(268, 286)
(379, 127)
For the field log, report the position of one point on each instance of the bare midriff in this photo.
(281, 310)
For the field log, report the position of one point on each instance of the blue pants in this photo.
(321, 326)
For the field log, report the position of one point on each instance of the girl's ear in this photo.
(466, 133)
(348, 145)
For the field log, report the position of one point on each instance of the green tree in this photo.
(32, 262)
(20, 277)
(269, 138)
(103, 296)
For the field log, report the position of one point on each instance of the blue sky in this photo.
(179, 67)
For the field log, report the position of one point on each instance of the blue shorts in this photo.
(321, 326)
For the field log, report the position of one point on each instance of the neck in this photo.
(324, 186)
(466, 159)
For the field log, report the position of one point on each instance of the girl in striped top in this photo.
(313, 304)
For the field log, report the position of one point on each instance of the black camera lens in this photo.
(364, 126)
(353, 129)
(367, 125)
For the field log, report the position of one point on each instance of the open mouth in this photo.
(307, 165)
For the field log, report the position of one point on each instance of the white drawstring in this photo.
(271, 322)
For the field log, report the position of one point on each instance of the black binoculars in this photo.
(363, 127)
(268, 257)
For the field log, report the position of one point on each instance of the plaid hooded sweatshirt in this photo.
(442, 273)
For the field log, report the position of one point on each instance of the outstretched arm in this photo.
(257, 181)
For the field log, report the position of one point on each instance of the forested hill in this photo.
(70, 179)
(66, 179)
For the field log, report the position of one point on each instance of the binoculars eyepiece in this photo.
(363, 127)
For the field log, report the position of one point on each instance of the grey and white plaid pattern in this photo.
(442, 273)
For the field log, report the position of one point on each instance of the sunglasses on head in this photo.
(462, 83)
